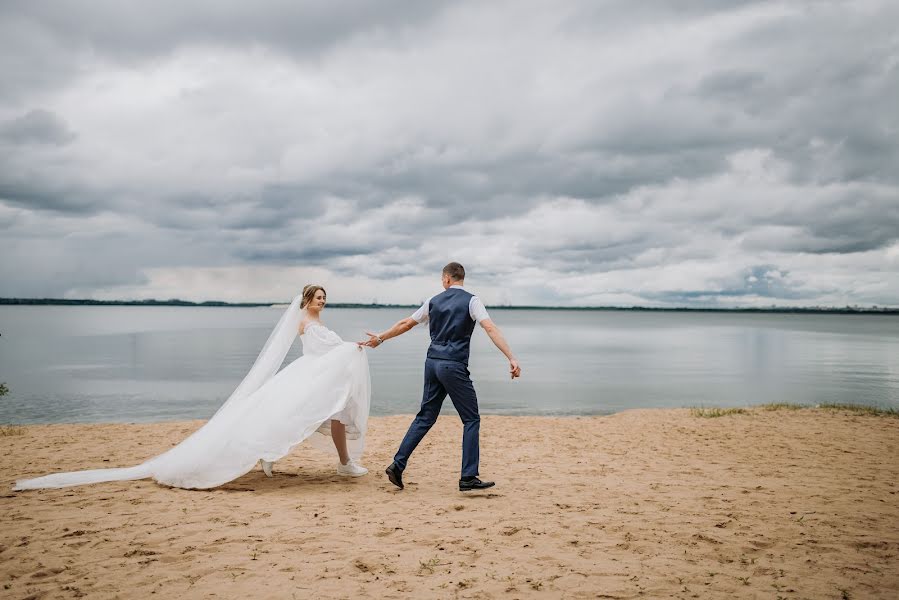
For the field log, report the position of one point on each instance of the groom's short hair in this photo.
(455, 271)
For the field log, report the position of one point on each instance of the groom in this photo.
(451, 316)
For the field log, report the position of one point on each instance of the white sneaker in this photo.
(351, 469)
(267, 467)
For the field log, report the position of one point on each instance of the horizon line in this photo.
(856, 308)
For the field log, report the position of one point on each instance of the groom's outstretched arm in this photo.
(500, 342)
(399, 328)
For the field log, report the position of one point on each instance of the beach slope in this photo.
(644, 503)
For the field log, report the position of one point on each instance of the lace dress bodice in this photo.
(318, 340)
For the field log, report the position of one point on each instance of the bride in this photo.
(322, 396)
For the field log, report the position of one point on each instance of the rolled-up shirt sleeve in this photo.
(476, 309)
(421, 315)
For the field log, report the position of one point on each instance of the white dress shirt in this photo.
(476, 309)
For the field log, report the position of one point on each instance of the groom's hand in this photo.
(514, 369)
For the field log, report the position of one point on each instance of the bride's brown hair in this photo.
(309, 294)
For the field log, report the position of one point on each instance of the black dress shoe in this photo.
(395, 475)
(466, 485)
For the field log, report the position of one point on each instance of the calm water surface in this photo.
(125, 363)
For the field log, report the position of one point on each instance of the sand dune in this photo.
(642, 504)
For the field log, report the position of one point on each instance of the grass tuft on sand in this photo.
(711, 413)
(874, 411)
(7, 430)
(782, 406)
(878, 411)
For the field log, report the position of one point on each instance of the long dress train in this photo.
(269, 413)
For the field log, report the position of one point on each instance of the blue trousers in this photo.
(444, 377)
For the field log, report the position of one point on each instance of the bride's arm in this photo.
(399, 328)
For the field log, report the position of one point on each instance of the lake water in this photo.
(133, 364)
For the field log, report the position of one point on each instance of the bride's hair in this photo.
(309, 294)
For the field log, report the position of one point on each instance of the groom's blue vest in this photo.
(451, 325)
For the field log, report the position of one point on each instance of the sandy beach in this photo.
(641, 504)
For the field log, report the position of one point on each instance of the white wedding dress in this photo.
(269, 413)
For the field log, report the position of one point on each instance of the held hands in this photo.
(514, 368)
(374, 340)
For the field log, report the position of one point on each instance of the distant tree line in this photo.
(213, 303)
(89, 302)
(175, 302)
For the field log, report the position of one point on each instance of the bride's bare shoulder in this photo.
(306, 323)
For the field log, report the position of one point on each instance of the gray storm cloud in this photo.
(719, 153)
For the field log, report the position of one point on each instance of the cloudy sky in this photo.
(696, 153)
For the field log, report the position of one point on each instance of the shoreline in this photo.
(644, 502)
(697, 411)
